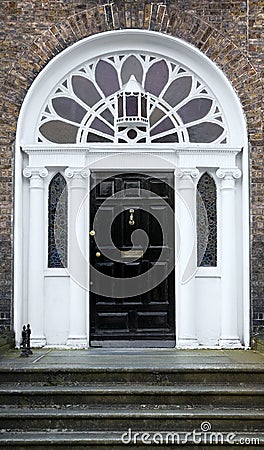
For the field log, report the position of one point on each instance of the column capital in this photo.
(72, 172)
(29, 172)
(229, 173)
(190, 172)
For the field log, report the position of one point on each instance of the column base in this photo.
(230, 343)
(38, 342)
(187, 343)
(77, 342)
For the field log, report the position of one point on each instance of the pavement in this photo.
(112, 359)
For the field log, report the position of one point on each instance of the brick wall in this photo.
(228, 32)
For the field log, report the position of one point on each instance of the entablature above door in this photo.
(136, 156)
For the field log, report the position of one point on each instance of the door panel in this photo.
(147, 318)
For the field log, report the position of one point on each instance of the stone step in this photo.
(75, 375)
(90, 399)
(242, 394)
(138, 418)
(103, 440)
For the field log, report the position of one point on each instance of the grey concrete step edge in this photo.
(181, 368)
(140, 412)
(184, 389)
(103, 438)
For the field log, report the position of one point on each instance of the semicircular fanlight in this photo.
(171, 104)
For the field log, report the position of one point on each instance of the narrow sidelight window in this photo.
(57, 222)
(206, 222)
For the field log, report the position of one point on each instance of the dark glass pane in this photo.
(206, 222)
(204, 132)
(107, 115)
(106, 77)
(58, 222)
(134, 185)
(130, 67)
(68, 109)
(168, 138)
(143, 107)
(131, 105)
(156, 115)
(106, 188)
(195, 109)
(157, 77)
(120, 106)
(165, 125)
(59, 132)
(132, 134)
(92, 137)
(85, 90)
(178, 90)
(98, 125)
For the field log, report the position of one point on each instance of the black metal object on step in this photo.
(25, 342)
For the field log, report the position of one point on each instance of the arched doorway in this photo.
(125, 103)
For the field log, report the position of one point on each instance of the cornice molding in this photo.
(179, 149)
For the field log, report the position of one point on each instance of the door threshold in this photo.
(126, 344)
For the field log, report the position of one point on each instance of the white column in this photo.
(36, 237)
(186, 200)
(229, 301)
(78, 267)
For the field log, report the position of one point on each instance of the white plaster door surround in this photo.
(212, 308)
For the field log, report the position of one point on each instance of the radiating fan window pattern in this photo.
(57, 222)
(206, 222)
(175, 103)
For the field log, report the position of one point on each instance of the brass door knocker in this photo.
(131, 218)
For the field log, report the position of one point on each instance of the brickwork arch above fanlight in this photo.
(123, 87)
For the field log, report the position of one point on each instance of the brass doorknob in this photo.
(97, 254)
(92, 233)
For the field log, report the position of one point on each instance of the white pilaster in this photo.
(78, 267)
(35, 306)
(186, 196)
(229, 301)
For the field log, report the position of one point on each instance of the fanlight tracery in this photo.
(174, 104)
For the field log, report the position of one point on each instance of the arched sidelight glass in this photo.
(206, 222)
(58, 222)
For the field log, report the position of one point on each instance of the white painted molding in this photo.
(145, 148)
(231, 344)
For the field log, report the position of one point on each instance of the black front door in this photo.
(132, 294)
